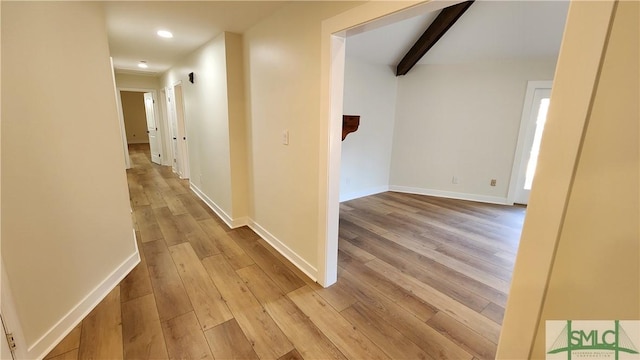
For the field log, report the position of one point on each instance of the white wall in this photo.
(460, 120)
(208, 118)
(282, 67)
(369, 91)
(135, 117)
(65, 241)
(237, 128)
(137, 81)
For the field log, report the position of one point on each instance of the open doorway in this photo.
(454, 127)
(140, 113)
(534, 115)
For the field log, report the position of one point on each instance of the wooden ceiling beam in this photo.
(447, 17)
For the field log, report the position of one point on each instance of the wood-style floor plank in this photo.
(267, 339)
(156, 200)
(174, 204)
(69, 343)
(170, 230)
(291, 355)
(349, 340)
(470, 318)
(194, 206)
(202, 244)
(69, 355)
(310, 342)
(283, 260)
(185, 339)
(428, 339)
(137, 283)
(494, 312)
(280, 274)
(468, 339)
(141, 330)
(228, 342)
(418, 278)
(229, 248)
(101, 334)
(470, 292)
(400, 296)
(171, 297)
(211, 309)
(390, 340)
(147, 224)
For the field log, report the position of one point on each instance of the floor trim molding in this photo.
(231, 222)
(41, 347)
(284, 250)
(362, 193)
(450, 194)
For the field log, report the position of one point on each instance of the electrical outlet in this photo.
(455, 180)
(493, 182)
(285, 137)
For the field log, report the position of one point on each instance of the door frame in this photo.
(164, 126)
(156, 128)
(10, 317)
(519, 154)
(156, 113)
(183, 145)
(172, 127)
(334, 32)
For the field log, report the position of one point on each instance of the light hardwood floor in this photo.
(419, 278)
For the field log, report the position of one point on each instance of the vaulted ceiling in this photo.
(488, 31)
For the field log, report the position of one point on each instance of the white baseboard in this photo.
(285, 251)
(362, 193)
(41, 347)
(231, 222)
(450, 194)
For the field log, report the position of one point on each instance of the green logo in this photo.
(592, 339)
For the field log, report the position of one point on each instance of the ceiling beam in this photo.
(447, 17)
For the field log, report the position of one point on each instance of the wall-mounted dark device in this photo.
(191, 77)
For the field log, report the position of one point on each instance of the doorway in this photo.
(534, 115)
(140, 112)
(177, 129)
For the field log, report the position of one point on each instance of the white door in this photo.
(183, 150)
(5, 349)
(152, 128)
(173, 129)
(536, 107)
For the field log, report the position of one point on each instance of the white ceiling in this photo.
(487, 31)
(132, 27)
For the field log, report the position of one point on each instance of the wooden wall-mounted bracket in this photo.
(350, 124)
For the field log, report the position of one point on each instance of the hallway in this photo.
(419, 278)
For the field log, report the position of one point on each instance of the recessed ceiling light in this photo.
(143, 64)
(165, 34)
